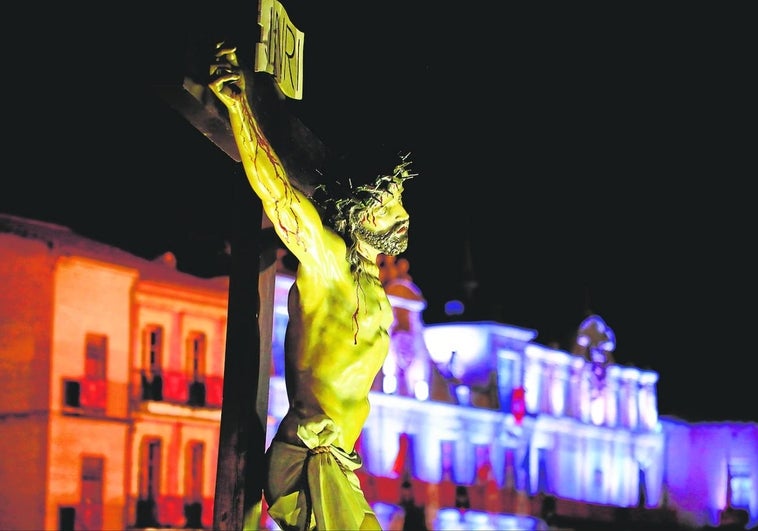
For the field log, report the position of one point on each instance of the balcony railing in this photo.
(85, 396)
(176, 387)
(173, 511)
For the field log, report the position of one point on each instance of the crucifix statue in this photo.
(242, 435)
(339, 314)
(339, 317)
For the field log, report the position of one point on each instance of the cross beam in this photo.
(244, 408)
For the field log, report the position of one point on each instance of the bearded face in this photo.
(392, 241)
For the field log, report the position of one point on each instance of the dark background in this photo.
(586, 158)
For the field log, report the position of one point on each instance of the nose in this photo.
(400, 212)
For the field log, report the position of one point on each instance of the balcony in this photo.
(173, 512)
(84, 396)
(174, 387)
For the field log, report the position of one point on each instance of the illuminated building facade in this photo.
(113, 372)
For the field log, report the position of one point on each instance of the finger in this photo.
(220, 69)
(225, 78)
(220, 52)
(228, 53)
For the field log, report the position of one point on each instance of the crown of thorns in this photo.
(340, 200)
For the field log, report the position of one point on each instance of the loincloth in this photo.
(314, 487)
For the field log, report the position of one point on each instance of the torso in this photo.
(331, 370)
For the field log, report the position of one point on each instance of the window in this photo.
(597, 485)
(447, 450)
(196, 353)
(95, 357)
(193, 493)
(94, 386)
(152, 381)
(196, 348)
(532, 381)
(507, 378)
(543, 484)
(740, 485)
(404, 459)
(194, 473)
(66, 518)
(641, 489)
(149, 483)
(150, 468)
(154, 349)
(484, 471)
(71, 393)
(509, 481)
(91, 514)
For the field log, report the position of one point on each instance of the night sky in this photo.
(572, 158)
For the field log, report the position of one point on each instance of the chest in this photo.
(370, 304)
(360, 299)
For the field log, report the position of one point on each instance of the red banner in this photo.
(93, 394)
(175, 387)
(518, 405)
(214, 391)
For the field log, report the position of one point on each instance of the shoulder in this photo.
(328, 254)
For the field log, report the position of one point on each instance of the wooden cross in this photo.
(244, 411)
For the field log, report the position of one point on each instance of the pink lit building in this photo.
(113, 369)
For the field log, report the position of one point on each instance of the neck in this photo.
(366, 251)
(362, 257)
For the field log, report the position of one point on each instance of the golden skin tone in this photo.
(339, 314)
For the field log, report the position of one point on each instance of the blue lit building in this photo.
(483, 402)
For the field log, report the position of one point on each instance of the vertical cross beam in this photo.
(244, 410)
(247, 365)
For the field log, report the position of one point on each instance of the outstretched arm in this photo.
(295, 219)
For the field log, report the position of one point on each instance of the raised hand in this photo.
(226, 78)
